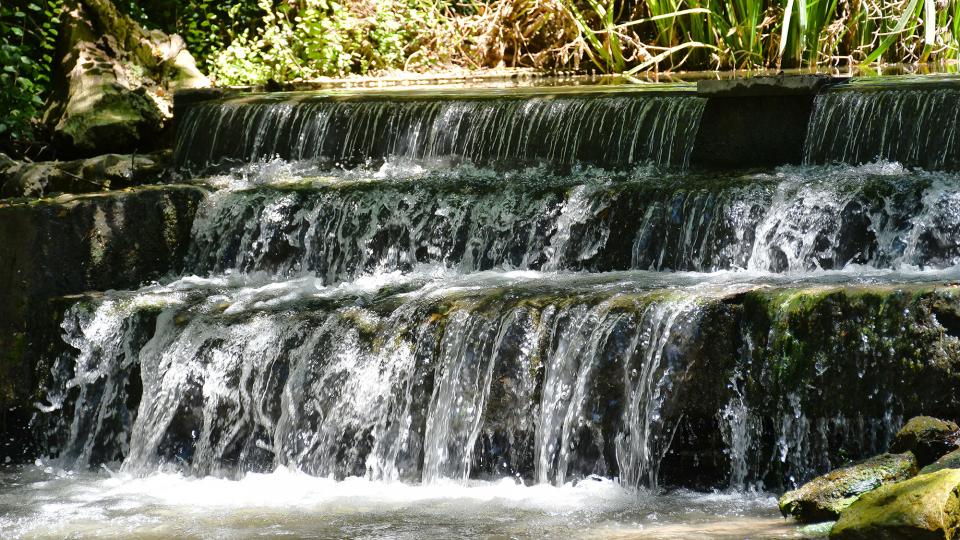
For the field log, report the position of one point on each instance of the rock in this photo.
(116, 83)
(99, 173)
(77, 243)
(6, 163)
(927, 437)
(926, 506)
(836, 361)
(824, 497)
(949, 461)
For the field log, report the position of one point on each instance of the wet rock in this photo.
(926, 506)
(99, 173)
(835, 371)
(927, 437)
(73, 244)
(949, 461)
(116, 81)
(824, 497)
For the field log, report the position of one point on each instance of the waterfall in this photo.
(429, 289)
(605, 129)
(399, 389)
(794, 219)
(914, 126)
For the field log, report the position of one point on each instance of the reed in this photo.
(622, 36)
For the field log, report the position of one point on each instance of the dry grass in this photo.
(629, 36)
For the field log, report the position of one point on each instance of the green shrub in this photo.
(28, 33)
(312, 38)
(207, 26)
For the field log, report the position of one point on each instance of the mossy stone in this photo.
(824, 497)
(924, 507)
(927, 437)
(949, 461)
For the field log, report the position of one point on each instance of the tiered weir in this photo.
(433, 289)
(607, 128)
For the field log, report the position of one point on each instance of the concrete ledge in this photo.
(778, 85)
(756, 121)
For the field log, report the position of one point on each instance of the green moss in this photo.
(927, 437)
(824, 497)
(949, 461)
(871, 327)
(926, 506)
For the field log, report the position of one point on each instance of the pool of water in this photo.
(42, 501)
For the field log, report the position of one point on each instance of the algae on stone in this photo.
(949, 461)
(927, 437)
(926, 506)
(115, 80)
(840, 368)
(824, 497)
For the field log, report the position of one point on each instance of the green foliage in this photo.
(28, 32)
(311, 38)
(207, 26)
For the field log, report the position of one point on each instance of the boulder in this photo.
(824, 497)
(927, 437)
(949, 461)
(924, 507)
(113, 91)
(108, 171)
(7, 164)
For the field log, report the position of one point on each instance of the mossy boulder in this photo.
(949, 461)
(927, 437)
(824, 497)
(115, 81)
(924, 507)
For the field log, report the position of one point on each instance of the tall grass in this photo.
(304, 39)
(631, 36)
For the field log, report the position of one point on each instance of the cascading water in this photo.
(233, 383)
(792, 220)
(500, 300)
(624, 129)
(861, 124)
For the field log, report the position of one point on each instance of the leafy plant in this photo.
(28, 33)
(312, 38)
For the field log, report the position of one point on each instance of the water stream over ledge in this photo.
(505, 314)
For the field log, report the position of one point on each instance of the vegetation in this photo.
(254, 41)
(28, 32)
(302, 39)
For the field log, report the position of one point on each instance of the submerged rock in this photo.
(824, 497)
(949, 461)
(927, 437)
(926, 506)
